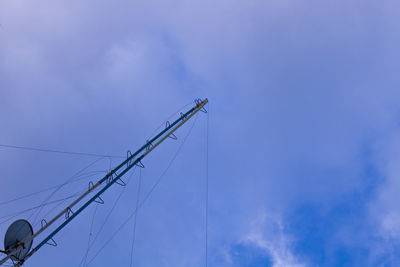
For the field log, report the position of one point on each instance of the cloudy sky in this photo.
(304, 133)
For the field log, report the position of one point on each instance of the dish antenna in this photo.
(14, 244)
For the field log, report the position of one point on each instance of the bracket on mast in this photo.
(183, 116)
(110, 177)
(128, 155)
(198, 102)
(53, 242)
(148, 145)
(172, 136)
(120, 182)
(13, 261)
(98, 199)
(68, 213)
(91, 186)
(140, 164)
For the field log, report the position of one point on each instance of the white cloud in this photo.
(268, 233)
(385, 210)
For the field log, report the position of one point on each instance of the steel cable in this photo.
(134, 224)
(59, 151)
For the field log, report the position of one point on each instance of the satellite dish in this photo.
(18, 231)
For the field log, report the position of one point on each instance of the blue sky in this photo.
(304, 138)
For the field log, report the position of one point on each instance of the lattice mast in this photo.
(20, 234)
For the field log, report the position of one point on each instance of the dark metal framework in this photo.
(112, 177)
